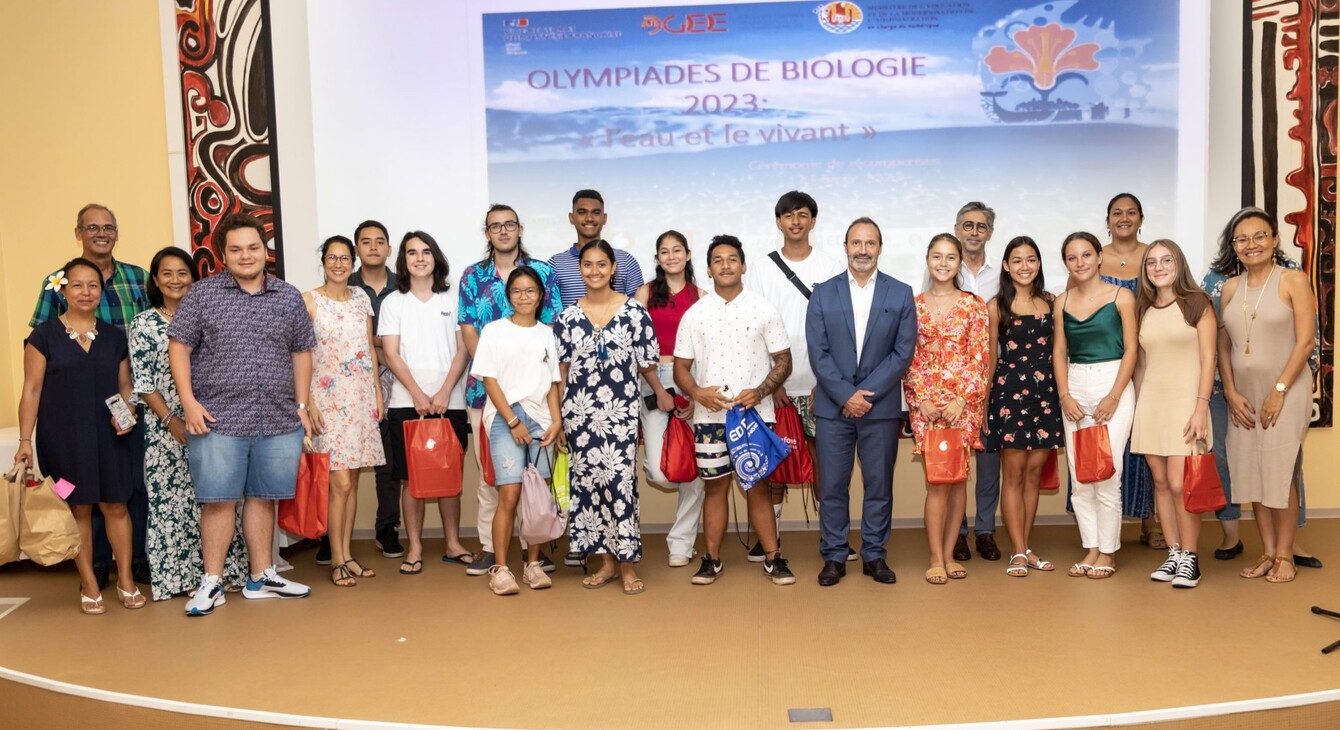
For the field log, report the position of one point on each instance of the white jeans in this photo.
(1098, 504)
(688, 513)
(487, 495)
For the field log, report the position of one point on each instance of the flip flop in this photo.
(415, 567)
(1079, 570)
(601, 581)
(457, 558)
(1102, 572)
(629, 591)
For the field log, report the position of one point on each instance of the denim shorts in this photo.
(509, 459)
(231, 468)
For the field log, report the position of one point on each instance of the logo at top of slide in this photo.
(690, 23)
(839, 17)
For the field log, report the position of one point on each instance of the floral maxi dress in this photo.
(600, 419)
(173, 542)
(344, 386)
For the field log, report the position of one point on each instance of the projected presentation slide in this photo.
(698, 117)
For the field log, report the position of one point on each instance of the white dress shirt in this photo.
(862, 301)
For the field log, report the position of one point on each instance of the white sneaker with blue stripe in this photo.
(272, 585)
(208, 597)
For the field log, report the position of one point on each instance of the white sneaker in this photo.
(272, 585)
(679, 561)
(535, 577)
(501, 581)
(208, 597)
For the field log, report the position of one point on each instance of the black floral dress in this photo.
(1023, 412)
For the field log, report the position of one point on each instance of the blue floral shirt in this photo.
(483, 299)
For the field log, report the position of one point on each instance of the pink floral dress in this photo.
(950, 360)
(343, 383)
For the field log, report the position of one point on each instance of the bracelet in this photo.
(515, 420)
(29, 439)
(1067, 395)
(1207, 400)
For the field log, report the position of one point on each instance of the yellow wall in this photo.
(82, 118)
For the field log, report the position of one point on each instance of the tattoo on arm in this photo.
(781, 370)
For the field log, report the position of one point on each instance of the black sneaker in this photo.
(574, 560)
(483, 561)
(323, 551)
(1166, 572)
(102, 576)
(851, 554)
(1188, 572)
(388, 541)
(708, 573)
(779, 572)
(546, 564)
(756, 554)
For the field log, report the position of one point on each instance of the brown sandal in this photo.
(1256, 571)
(1271, 576)
(340, 576)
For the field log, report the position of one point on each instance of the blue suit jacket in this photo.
(890, 337)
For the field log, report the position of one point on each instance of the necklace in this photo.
(1251, 320)
(598, 330)
(83, 338)
(326, 293)
(166, 314)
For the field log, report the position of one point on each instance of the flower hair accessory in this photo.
(56, 281)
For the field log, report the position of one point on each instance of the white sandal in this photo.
(91, 606)
(1045, 566)
(1017, 570)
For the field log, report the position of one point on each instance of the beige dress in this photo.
(1261, 462)
(1171, 381)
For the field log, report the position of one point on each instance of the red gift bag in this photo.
(1201, 489)
(485, 457)
(306, 513)
(434, 458)
(678, 462)
(796, 468)
(1093, 455)
(946, 459)
(1051, 479)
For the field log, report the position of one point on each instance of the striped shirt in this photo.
(572, 287)
(124, 295)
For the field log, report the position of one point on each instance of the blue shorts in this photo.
(231, 468)
(509, 459)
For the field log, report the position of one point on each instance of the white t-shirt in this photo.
(427, 332)
(731, 344)
(766, 279)
(524, 361)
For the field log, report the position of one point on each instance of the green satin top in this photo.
(1097, 338)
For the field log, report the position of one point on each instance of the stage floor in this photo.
(441, 649)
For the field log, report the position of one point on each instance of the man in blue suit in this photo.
(861, 327)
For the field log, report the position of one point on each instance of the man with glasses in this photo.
(973, 226)
(124, 295)
(483, 299)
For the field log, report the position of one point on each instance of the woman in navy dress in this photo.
(605, 340)
(71, 366)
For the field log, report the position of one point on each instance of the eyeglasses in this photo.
(1165, 262)
(94, 229)
(500, 227)
(525, 293)
(1258, 238)
(338, 259)
(969, 226)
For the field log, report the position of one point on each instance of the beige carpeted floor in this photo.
(439, 648)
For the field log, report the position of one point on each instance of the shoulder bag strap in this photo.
(776, 257)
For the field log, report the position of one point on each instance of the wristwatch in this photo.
(1281, 388)
(302, 406)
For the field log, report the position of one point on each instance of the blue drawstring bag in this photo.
(754, 449)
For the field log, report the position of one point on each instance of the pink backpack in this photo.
(541, 518)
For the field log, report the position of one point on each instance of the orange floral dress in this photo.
(950, 360)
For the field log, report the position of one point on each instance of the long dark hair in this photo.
(156, 294)
(958, 246)
(440, 267)
(659, 288)
(1005, 297)
(1226, 261)
(604, 247)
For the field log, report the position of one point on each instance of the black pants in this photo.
(388, 487)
